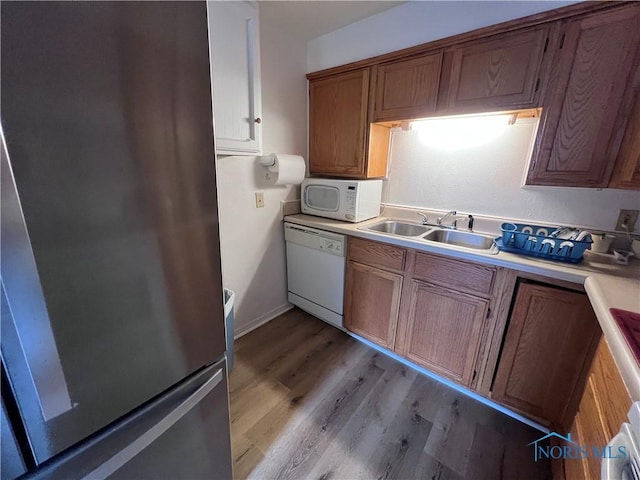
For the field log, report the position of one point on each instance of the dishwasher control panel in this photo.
(327, 242)
(331, 246)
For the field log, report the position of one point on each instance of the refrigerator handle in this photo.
(148, 437)
(26, 305)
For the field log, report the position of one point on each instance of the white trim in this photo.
(453, 385)
(261, 320)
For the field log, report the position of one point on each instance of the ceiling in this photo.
(310, 19)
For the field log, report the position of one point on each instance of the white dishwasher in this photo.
(315, 271)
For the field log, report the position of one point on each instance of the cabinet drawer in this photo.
(377, 254)
(468, 277)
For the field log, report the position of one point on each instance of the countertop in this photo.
(608, 285)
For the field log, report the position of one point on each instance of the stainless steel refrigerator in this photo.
(112, 329)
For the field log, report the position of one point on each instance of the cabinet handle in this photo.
(258, 120)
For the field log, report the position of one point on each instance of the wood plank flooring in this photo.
(308, 401)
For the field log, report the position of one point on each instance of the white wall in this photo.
(486, 180)
(413, 23)
(252, 243)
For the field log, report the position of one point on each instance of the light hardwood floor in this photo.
(308, 401)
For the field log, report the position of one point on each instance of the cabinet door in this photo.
(498, 73)
(407, 89)
(443, 330)
(585, 110)
(235, 76)
(603, 408)
(626, 173)
(338, 128)
(547, 350)
(574, 468)
(372, 303)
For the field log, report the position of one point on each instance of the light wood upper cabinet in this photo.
(548, 348)
(593, 83)
(443, 330)
(408, 88)
(626, 173)
(498, 73)
(339, 129)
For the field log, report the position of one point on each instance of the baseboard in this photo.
(261, 320)
(455, 386)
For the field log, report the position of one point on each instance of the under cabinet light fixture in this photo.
(457, 133)
(467, 131)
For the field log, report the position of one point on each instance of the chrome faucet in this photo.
(425, 219)
(454, 223)
(446, 216)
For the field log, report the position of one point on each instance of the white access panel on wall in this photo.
(234, 45)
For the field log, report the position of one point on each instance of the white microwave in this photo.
(349, 200)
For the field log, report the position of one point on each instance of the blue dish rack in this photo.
(535, 241)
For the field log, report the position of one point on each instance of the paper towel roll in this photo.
(284, 169)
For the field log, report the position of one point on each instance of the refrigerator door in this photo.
(184, 434)
(110, 251)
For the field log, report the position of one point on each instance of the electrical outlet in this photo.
(259, 199)
(627, 218)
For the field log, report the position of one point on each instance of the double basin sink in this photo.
(458, 238)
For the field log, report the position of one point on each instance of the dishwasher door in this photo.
(316, 271)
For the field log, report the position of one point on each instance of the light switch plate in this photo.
(628, 218)
(259, 199)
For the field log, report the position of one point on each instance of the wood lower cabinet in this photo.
(372, 303)
(430, 309)
(341, 141)
(452, 316)
(603, 408)
(594, 79)
(501, 72)
(548, 347)
(373, 290)
(407, 88)
(443, 329)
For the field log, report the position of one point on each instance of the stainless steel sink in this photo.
(461, 239)
(398, 228)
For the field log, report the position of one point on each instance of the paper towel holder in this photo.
(268, 160)
(283, 169)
